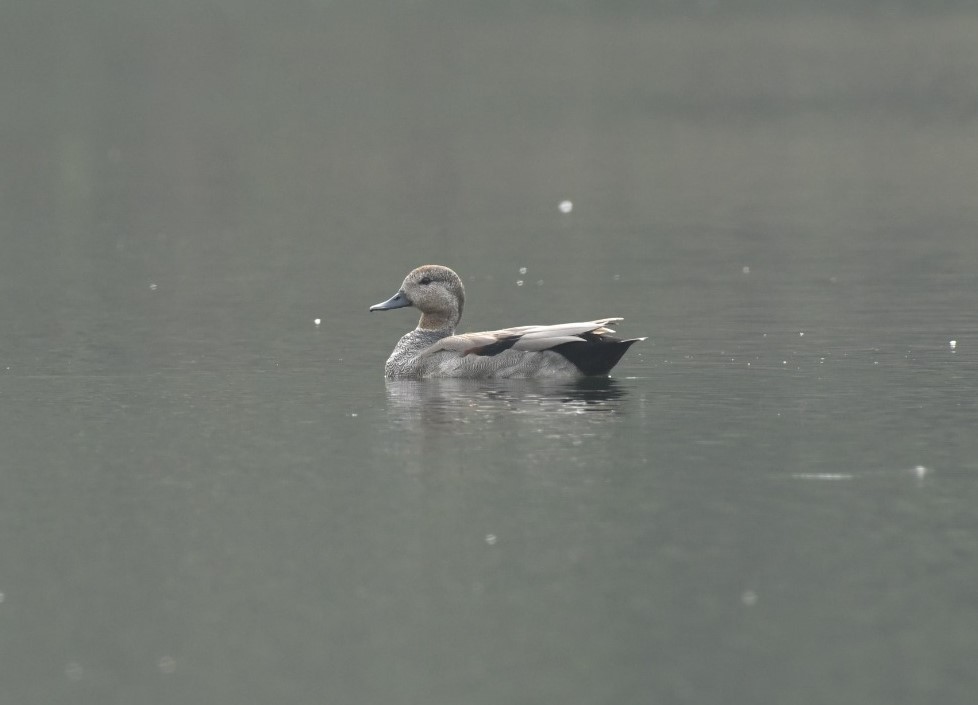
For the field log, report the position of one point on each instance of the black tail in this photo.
(596, 354)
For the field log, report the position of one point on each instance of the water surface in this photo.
(205, 497)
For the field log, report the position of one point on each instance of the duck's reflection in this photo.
(457, 402)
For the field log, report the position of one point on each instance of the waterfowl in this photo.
(433, 349)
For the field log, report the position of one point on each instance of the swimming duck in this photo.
(433, 349)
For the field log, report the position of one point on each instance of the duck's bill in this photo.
(398, 300)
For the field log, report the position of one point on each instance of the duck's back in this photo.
(425, 353)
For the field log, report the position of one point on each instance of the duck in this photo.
(434, 350)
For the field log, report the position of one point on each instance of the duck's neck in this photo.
(440, 322)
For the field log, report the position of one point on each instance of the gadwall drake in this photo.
(432, 349)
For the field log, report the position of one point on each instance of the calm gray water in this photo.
(207, 498)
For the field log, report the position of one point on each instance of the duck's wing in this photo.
(525, 338)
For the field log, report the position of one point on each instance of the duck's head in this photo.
(434, 290)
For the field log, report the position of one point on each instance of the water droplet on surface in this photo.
(519, 282)
(566, 206)
(953, 344)
(522, 270)
(317, 321)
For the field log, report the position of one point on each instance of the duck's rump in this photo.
(596, 354)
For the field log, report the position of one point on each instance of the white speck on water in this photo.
(833, 280)
(539, 282)
(354, 415)
(522, 270)
(920, 472)
(784, 362)
(167, 664)
(801, 334)
(566, 206)
(74, 671)
(749, 598)
(153, 287)
(519, 282)
(876, 362)
(1, 597)
(616, 277)
(491, 539)
(953, 344)
(317, 321)
(745, 269)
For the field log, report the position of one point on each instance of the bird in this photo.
(434, 350)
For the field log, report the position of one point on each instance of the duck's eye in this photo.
(425, 281)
